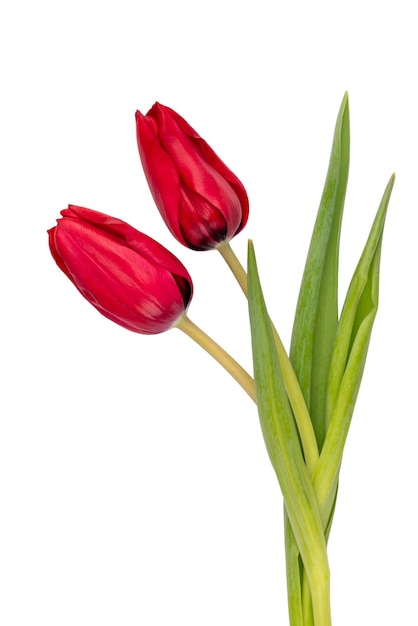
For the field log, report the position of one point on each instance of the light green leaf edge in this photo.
(316, 316)
(284, 449)
(349, 358)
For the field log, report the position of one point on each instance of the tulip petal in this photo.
(145, 246)
(198, 175)
(202, 224)
(160, 172)
(127, 276)
(202, 202)
(210, 156)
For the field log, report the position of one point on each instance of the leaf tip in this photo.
(251, 252)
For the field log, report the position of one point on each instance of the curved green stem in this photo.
(234, 265)
(296, 399)
(219, 354)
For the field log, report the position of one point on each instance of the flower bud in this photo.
(128, 277)
(202, 202)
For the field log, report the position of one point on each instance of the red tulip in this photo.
(202, 202)
(127, 276)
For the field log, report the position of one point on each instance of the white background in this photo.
(134, 483)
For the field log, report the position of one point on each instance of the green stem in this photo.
(308, 619)
(293, 575)
(296, 399)
(234, 265)
(219, 354)
(320, 592)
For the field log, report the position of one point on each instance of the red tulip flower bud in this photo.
(128, 277)
(202, 202)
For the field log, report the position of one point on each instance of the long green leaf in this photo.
(348, 359)
(316, 317)
(284, 449)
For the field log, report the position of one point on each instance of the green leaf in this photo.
(284, 449)
(348, 359)
(316, 317)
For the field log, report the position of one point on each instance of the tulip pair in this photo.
(305, 400)
(127, 276)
